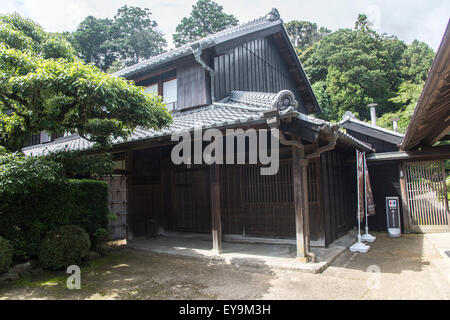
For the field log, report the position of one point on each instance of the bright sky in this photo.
(408, 19)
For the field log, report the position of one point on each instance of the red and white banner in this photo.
(360, 177)
(369, 194)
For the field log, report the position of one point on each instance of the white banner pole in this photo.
(358, 246)
(366, 237)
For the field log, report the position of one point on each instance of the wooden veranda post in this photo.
(214, 178)
(405, 209)
(298, 176)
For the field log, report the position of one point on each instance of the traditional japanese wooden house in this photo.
(247, 76)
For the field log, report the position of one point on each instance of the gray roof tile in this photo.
(205, 42)
(239, 108)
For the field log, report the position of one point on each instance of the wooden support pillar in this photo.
(129, 169)
(304, 165)
(214, 178)
(403, 191)
(298, 176)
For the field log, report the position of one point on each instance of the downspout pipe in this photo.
(197, 52)
(328, 147)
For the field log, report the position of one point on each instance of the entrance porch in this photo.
(237, 252)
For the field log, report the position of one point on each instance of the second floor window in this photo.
(168, 90)
(152, 89)
(170, 94)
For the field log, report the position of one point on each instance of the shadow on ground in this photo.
(129, 274)
(393, 255)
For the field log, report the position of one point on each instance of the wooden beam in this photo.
(214, 178)
(405, 208)
(299, 202)
(297, 129)
(155, 73)
(129, 168)
(439, 131)
(433, 153)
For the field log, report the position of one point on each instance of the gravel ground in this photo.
(406, 271)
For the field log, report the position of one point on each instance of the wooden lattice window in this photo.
(267, 189)
(313, 182)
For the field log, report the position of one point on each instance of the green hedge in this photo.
(26, 218)
(65, 246)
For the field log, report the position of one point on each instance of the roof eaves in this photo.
(369, 125)
(433, 76)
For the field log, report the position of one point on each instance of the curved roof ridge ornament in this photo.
(284, 99)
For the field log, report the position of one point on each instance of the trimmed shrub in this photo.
(63, 247)
(25, 218)
(89, 207)
(6, 254)
(100, 240)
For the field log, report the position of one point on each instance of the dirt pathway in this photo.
(406, 270)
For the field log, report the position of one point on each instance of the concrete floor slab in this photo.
(262, 255)
(441, 242)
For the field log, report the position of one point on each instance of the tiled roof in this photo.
(240, 108)
(204, 43)
(204, 117)
(350, 117)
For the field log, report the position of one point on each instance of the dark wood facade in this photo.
(194, 84)
(236, 199)
(338, 193)
(254, 66)
(178, 198)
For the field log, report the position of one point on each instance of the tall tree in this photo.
(130, 37)
(304, 33)
(92, 41)
(135, 35)
(406, 99)
(45, 86)
(416, 61)
(363, 24)
(356, 67)
(206, 17)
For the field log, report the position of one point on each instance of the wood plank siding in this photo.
(179, 197)
(339, 194)
(385, 180)
(253, 66)
(193, 85)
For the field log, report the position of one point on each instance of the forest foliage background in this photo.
(348, 68)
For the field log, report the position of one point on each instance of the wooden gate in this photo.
(117, 200)
(427, 196)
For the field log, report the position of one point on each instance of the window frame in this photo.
(162, 91)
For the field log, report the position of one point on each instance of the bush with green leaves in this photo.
(36, 197)
(25, 218)
(6, 254)
(65, 246)
(100, 239)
